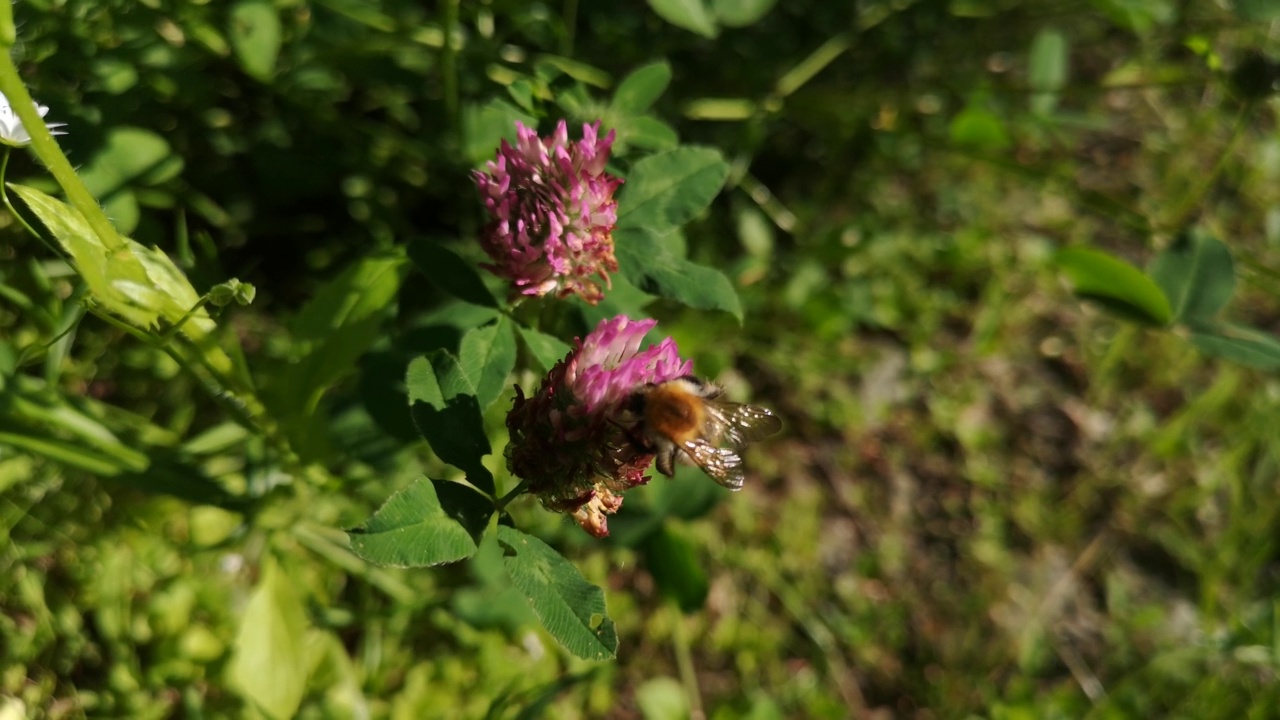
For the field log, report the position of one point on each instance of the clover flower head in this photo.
(572, 441)
(12, 131)
(552, 213)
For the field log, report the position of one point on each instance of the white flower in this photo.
(11, 130)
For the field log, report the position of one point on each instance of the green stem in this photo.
(449, 65)
(173, 329)
(684, 661)
(31, 353)
(1116, 352)
(4, 195)
(570, 24)
(519, 489)
(8, 34)
(233, 395)
(1263, 277)
(216, 388)
(46, 148)
(1196, 194)
(247, 408)
(238, 399)
(526, 313)
(1259, 268)
(4, 192)
(124, 327)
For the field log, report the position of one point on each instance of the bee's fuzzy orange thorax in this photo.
(672, 411)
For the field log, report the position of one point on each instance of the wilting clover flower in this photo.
(552, 211)
(12, 131)
(570, 441)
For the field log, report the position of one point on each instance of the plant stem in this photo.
(449, 66)
(30, 353)
(4, 195)
(684, 661)
(570, 24)
(1267, 279)
(239, 401)
(8, 34)
(1115, 354)
(174, 328)
(124, 327)
(46, 148)
(519, 489)
(1197, 194)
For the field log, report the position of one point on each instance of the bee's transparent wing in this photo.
(740, 424)
(722, 464)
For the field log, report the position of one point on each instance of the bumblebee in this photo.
(687, 414)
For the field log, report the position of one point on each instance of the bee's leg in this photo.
(634, 435)
(666, 459)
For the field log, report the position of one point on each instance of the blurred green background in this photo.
(990, 499)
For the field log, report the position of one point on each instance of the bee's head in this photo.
(635, 404)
